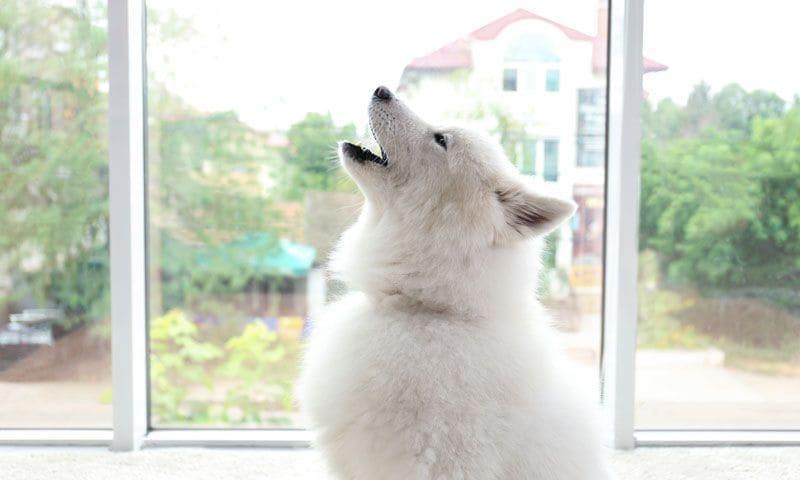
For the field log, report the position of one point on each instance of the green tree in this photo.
(208, 173)
(53, 153)
(773, 243)
(698, 106)
(720, 204)
(224, 170)
(736, 108)
(311, 155)
(668, 121)
(511, 132)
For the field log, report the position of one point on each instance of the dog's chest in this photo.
(391, 367)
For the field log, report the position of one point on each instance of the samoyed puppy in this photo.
(440, 364)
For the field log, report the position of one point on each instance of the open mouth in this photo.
(361, 154)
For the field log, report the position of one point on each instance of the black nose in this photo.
(382, 93)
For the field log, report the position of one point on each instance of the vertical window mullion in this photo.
(622, 215)
(126, 193)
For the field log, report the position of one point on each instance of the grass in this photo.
(755, 336)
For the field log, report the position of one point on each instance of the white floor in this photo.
(758, 463)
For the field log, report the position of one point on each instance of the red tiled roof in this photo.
(651, 65)
(458, 54)
(490, 31)
(454, 55)
(599, 58)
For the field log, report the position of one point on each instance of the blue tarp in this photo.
(258, 252)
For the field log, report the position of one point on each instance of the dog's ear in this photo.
(528, 213)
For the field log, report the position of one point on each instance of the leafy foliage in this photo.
(311, 155)
(262, 381)
(253, 374)
(178, 363)
(219, 161)
(720, 193)
(53, 152)
(659, 312)
(212, 179)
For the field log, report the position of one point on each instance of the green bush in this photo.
(178, 363)
(253, 363)
(249, 382)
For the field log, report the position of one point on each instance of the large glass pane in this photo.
(55, 365)
(719, 289)
(246, 103)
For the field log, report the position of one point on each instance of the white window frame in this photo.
(620, 306)
(130, 426)
(624, 92)
(127, 222)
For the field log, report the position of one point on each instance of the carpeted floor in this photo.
(759, 463)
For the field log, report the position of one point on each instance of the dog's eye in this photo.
(440, 140)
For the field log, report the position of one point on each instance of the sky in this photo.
(273, 61)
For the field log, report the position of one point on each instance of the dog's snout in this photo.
(382, 93)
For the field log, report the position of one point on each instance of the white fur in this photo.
(440, 363)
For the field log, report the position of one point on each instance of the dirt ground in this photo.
(78, 356)
(63, 386)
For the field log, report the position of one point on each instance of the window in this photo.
(242, 205)
(552, 80)
(510, 80)
(551, 160)
(719, 315)
(55, 365)
(591, 130)
(237, 247)
(537, 49)
(528, 166)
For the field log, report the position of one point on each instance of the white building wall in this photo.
(441, 97)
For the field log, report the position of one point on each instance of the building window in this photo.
(591, 151)
(510, 80)
(528, 165)
(550, 160)
(591, 129)
(552, 80)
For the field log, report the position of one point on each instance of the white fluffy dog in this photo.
(440, 363)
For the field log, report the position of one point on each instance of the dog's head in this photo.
(446, 176)
(439, 192)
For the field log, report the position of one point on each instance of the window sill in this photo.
(56, 437)
(707, 438)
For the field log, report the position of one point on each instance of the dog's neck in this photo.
(435, 267)
(500, 281)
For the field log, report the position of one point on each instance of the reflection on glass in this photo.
(55, 366)
(246, 199)
(719, 276)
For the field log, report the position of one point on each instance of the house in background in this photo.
(540, 86)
